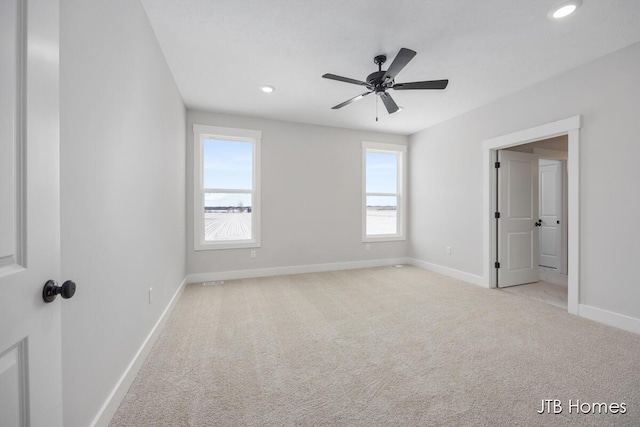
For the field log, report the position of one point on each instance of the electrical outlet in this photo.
(150, 295)
(448, 250)
(367, 247)
(253, 254)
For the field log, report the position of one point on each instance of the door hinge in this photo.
(497, 164)
(497, 215)
(497, 265)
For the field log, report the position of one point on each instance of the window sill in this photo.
(226, 245)
(390, 238)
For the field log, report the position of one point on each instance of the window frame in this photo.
(401, 181)
(200, 133)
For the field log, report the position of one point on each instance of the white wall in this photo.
(311, 197)
(446, 176)
(122, 194)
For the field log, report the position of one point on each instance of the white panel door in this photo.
(30, 363)
(550, 179)
(518, 206)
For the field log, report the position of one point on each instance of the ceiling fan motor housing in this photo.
(375, 80)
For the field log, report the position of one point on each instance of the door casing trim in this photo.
(570, 127)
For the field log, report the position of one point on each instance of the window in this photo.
(383, 200)
(227, 193)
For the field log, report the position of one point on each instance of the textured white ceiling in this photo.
(221, 51)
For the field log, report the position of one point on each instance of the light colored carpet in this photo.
(377, 347)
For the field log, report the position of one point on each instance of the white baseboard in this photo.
(610, 318)
(447, 271)
(295, 269)
(110, 406)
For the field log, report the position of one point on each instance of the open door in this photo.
(518, 223)
(30, 361)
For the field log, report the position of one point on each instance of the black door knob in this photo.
(51, 290)
(538, 223)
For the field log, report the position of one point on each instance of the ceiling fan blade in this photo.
(391, 105)
(430, 84)
(399, 62)
(344, 79)
(355, 98)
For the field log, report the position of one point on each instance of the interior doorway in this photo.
(568, 128)
(542, 234)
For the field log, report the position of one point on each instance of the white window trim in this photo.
(200, 132)
(401, 151)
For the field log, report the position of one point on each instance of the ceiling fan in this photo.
(378, 82)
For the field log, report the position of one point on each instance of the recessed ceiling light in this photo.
(267, 89)
(565, 9)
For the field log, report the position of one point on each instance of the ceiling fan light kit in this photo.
(380, 81)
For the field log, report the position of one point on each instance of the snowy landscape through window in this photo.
(383, 182)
